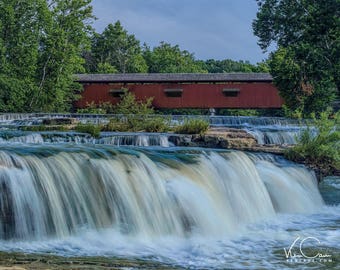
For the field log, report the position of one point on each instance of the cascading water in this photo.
(278, 136)
(266, 130)
(70, 194)
(106, 138)
(57, 192)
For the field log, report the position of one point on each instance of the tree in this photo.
(228, 65)
(20, 32)
(115, 49)
(40, 50)
(66, 34)
(171, 59)
(308, 33)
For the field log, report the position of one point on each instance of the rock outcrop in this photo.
(225, 138)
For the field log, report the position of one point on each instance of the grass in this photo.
(137, 123)
(322, 150)
(192, 126)
(93, 130)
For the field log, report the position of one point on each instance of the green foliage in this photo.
(187, 111)
(155, 124)
(192, 126)
(115, 51)
(129, 105)
(239, 112)
(92, 129)
(303, 94)
(118, 125)
(171, 59)
(105, 67)
(306, 65)
(40, 50)
(102, 108)
(134, 123)
(228, 65)
(251, 112)
(136, 116)
(322, 149)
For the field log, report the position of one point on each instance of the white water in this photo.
(61, 193)
(107, 138)
(266, 130)
(278, 136)
(191, 208)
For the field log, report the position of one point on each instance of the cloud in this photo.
(218, 29)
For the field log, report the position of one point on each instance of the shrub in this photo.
(129, 105)
(192, 126)
(321, 149)
(102, 108)
(239, 112)
(116, 125)
(93, 130)
(157, 124)
(137, 123)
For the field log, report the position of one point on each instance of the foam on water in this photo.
(188, 207)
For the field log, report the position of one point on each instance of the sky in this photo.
(211, 29)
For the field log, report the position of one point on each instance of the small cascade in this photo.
(279, 136)
(58, 192)
(267, 130)
(30, 138)
(135, 139)
(235, 121)
(107, 138)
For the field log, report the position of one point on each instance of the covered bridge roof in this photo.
(173, 77)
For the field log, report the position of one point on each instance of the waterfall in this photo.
(266, 130)
(56, 191)
(234, 121)
(278, 136)
(107, 138)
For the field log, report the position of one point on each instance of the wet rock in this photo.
(226, 138)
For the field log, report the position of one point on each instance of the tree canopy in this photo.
(40, 50)
(114, 50)
(306, 64)
(166, 58)
(43, 43)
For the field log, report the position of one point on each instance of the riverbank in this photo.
(22, 261)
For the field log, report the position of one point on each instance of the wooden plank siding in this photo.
(250, 90)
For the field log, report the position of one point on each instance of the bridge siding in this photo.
(195, 95)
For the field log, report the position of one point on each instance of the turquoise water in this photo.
(192, 208)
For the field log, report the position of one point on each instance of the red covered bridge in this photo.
(213, 90)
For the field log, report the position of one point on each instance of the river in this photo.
(153, 204)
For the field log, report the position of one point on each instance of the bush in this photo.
(93, 130)
(239, 112)
(192, 126)
(137, 123)
(157, 124)
(129, 105)
(135, 116)
(322, 149)
(102, 108)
